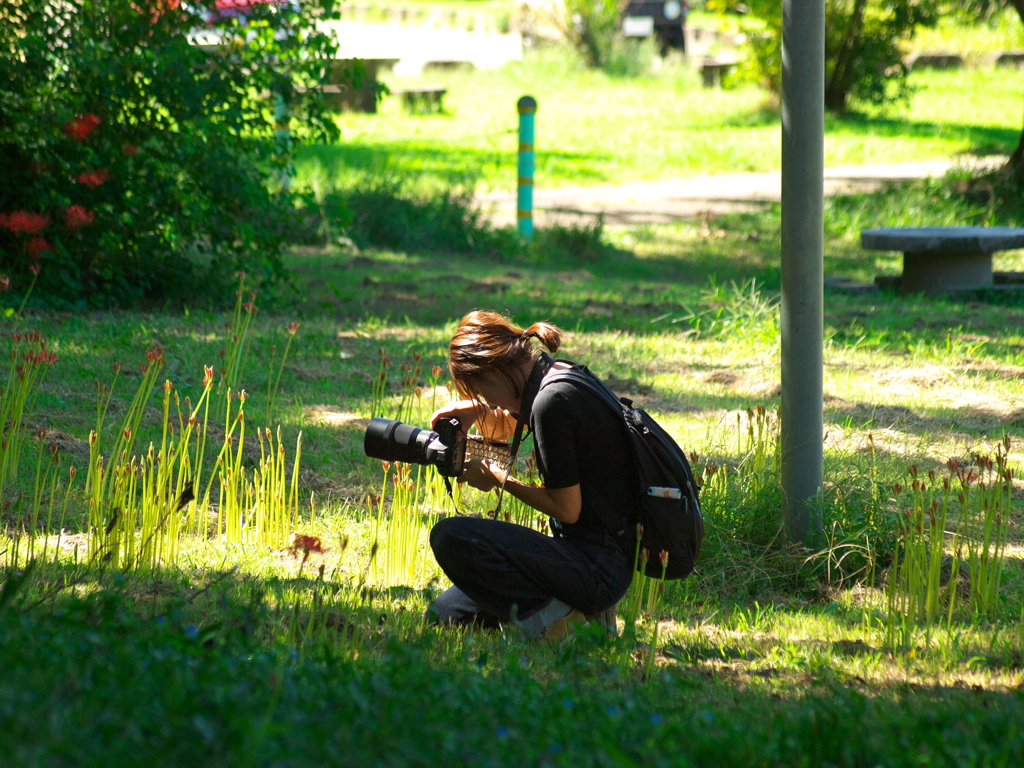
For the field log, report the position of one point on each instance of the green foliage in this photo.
(384, 215)
(150, 163)
(114, 683)
(577, 242)
(592, 26)
(864, 48)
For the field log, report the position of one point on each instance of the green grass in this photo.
(242, 654)
(761, 658)
(596, 129)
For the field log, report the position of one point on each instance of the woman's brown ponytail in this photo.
(488, 342)
(548, 335)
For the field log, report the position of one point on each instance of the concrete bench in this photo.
(713, 70)
(936, 61)
(423, 99)
(363, 99)
(940, 259)
(1011, 59)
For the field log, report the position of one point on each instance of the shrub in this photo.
(385, 216)
(139, 165)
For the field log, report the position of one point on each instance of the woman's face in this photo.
(495, 389)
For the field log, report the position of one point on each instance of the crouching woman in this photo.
(505, 574)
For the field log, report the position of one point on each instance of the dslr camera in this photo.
(391, 440)
(448, 448)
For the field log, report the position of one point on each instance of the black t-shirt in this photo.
(578, 439)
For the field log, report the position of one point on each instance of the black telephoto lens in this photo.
(391, 440)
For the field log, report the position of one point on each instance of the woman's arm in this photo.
(563, 504)
(491, 422)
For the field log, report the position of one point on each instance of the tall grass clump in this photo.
(30, 360)
(140, 505)
(740, 497)
(237, 340)
(952, 536)
(741, 312)
(135, 501)
(417, 498)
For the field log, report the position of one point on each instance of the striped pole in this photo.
(283, 139)
(527, 108)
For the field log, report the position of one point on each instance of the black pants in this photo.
(502, 571)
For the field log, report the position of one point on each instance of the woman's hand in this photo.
(466, 411)
(491, 422)
(482, 474)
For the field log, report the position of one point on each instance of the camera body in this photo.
(391, 440)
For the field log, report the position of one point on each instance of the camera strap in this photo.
(540, 369)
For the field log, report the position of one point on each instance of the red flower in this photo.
(5, 283)
(306, 545)
(129, 149)
(23, 221)
(93, 178)
(35, 269)
(82, 126)
(35, 246)
(293, 328)
(78, 216)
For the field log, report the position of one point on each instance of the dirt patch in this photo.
(723, 376)
(68, 446)
(908, 380)
(627, 386)
(880, 416)
(334, 417)
(325, 486)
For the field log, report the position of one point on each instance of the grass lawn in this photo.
(596, 129)
(154, 629)
(248, 654)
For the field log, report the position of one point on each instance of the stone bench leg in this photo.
(936, 273)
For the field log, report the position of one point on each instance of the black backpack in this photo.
(668, 506)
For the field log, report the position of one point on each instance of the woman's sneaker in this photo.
(564, 627)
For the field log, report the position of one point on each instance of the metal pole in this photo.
(527, 108)
(803, 168)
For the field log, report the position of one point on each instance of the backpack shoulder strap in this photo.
(624, 407)
(580, 374)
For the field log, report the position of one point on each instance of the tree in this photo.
(863, 47)
(589, 25)
(1014, 168)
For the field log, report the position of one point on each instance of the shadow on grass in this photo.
(983, 140)
(445, 164)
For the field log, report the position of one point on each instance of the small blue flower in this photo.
(613, 710)
(161, 620)
(555, 748)
(568, 703)
(655, 718)
(502, 732)
(192, 632)
(707, 716)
